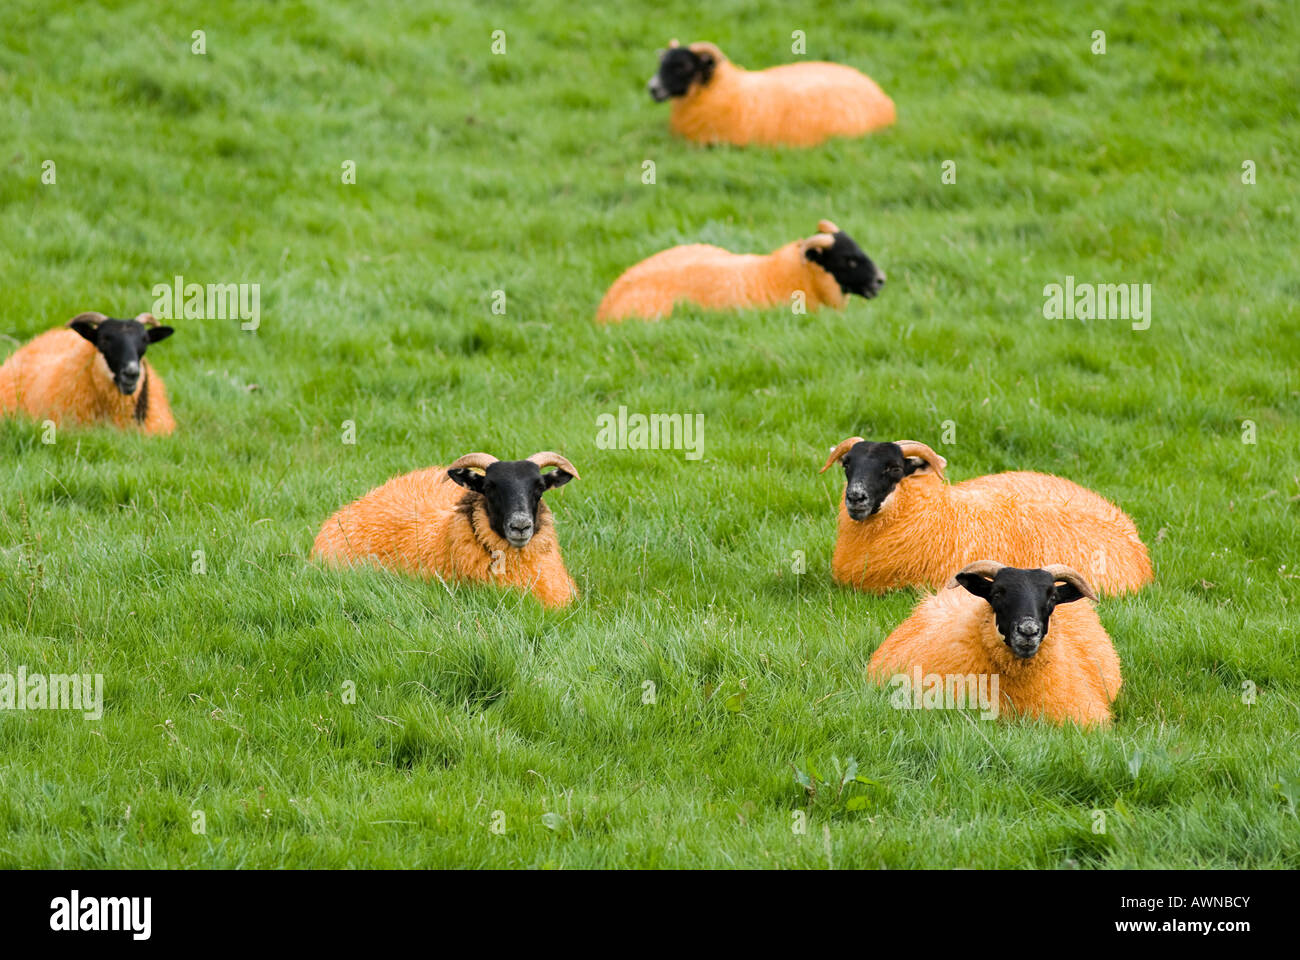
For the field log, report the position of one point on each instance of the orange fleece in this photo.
(424, 523)
(717, 279)
(798, 104)
(1074, 676)
(928, 530)
(60, 376)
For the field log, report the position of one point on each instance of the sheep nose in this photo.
(858, 504)
(1025, 638)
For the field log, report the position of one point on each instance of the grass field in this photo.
(522, 172)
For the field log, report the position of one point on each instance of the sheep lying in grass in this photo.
(826, 267)
(458, 524)
(1051, 655)
(92, 372)
(902, 525)
(798, 104)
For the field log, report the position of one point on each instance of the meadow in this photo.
(304, 717)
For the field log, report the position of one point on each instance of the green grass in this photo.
(523, 172)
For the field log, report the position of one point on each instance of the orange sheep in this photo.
(92, 372)
(455, 523)
(901, 524)
(1049, 655)
(825, 268)
(797, 104)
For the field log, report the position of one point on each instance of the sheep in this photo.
(797, 104)
(901, 524)
(454, 523)
(826, 268)
(998, 627)
(92, 371)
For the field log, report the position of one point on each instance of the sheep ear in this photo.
(913, 450)
(1067, 593)
(975, 583)
(815, 245)
(556, 478)
(915, 465)
(154, 334)
(467, 478)
(87, 328)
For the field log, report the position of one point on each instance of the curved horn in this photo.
(839, 451)
(148, 319)
(1060, 571)
(549, 458)
(89, 315)
(985, 568)
(674, 43)
(914, 448)
(710, 48)
(479, 460)
(823, 240)
(825, 226)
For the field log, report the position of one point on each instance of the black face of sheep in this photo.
(873, 471)
(851, 268)
(1022, 602)
(122, 343)
(678, 69)
(513, 491)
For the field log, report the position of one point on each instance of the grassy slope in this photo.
(523, 172)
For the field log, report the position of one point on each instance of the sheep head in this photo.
(874, 471)
(839, 255)
(512, 489)
(121, 343)
(683, 68)
(1022, 600)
